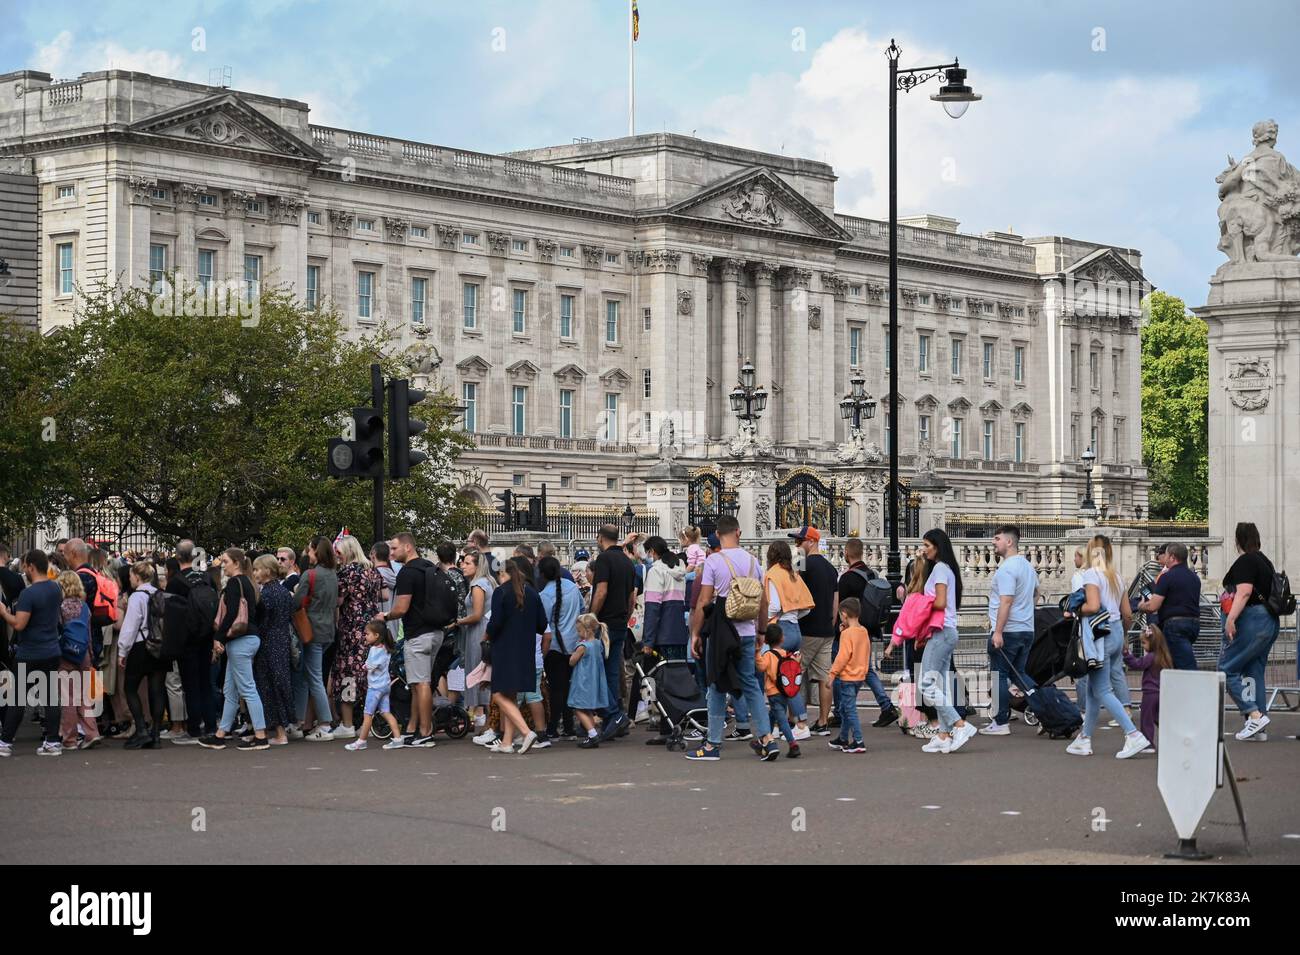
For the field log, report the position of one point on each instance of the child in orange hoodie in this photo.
(848, 673)
(767, 661)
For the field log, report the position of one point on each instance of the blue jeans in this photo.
(934, 676)
(1243, 658)
(878, 690)
(1179, 634)
(755, 702)
(240, 683)
(1015, 651)
(1101, 688)
(776, 714)
(308, 678)
(791, 636)
(846, 692)
(614, 674)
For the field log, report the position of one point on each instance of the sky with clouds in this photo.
(1101, 120)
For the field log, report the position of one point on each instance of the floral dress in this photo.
(359, 589)
(273, 663)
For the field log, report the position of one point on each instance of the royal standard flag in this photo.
(636, 22)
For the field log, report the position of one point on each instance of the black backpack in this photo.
(441, 606)
(156, 639)
(202, 609)
(1280, 602)
(876, 600)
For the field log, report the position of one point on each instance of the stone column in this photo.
(235, 215)
(187, 254)
(795, 356)
(834, 357)
(864, 489)
(933, 493)
(754, 481)
(693, 307)
(136, 264)
(1253, 315)
(666, 486)
(730, 324)
(764, 362)
(291, 243)
(340, 275)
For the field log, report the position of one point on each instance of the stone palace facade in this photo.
(574, 298)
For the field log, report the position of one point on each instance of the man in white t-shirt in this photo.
(1011, 618)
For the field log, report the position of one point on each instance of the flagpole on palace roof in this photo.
(631, 66)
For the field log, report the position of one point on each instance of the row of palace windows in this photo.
(988, 355)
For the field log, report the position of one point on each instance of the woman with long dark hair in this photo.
(137, 663)
(517, 621)
(943, 583)
(562, 602)
(236, 637)
(318, 592)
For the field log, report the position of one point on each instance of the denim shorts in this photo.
(377, 700)
(535, 696)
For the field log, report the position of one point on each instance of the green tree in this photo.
(1175, 408)
(215, 428)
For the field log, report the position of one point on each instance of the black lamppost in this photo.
(857, 404)
(629, 517)
(955, 96)
(5, 276)
(747, 401)
(1087, 504)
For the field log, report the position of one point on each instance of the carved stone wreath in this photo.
(685, 302)
(216, 129)
(814, 317)
(1250, 382)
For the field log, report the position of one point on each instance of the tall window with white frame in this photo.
(855, 346)
(923, 353)
(887, 340)
(923, 429)
(1116, 431)
(610, 431)
(66, 272)
(157, 265)
(469, 303)
(1074, 366)
(566, 316)
(419, 295)
(365, 294)
(1020, 442)
(1095, 437)
(566, 413)
(252, 277)
(313, 286)
(611, 322)
(988, 361)
(889, 432)
(645, 318)
(957, 345)
(207, 268)
(647, 390)
(987, 440)
(1094, 370)
(469, 400)
(519, 313)
(956, 437)
(1020, 364)
(518, 409)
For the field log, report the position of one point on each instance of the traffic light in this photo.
(363, 456)
(402, 428)
(508, 509)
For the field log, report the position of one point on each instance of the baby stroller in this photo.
(1046, 663)
(669, 688)
(448, 717)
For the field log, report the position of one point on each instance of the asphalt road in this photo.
(1011, 799)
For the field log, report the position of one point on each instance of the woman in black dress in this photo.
(518, 618)
(273, 665)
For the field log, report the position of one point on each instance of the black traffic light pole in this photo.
(377, 402)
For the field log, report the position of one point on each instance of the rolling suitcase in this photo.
(1058, 717)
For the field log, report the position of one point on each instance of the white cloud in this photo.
(65, 57)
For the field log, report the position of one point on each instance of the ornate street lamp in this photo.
(629, 517)
(748, 402)
(955, 96)
(857, 404)
(1087, 504)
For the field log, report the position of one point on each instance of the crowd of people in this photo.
(256, 651)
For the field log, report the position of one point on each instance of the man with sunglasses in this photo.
(288, 559)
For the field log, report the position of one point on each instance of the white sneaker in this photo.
(1133, 745)
(642, 713)
(938, 745)
(1257, 738)
(994, 728)
(168, 734)
(961, 736)
(183, 739)
(50, 749)
(343, 731)
(1252, 727)
(1149, 749)
(487, 737)
(528, 742)
(1113, 724)
(1080, 746)
(924, 730)
(395, 743)
(295, 732)
(497, 747)
(321, 734)
(5, 749)
(355, 745)
(801, 733)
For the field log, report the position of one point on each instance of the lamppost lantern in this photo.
(1088, 456)
(760, 400)
(857, 404)
(737, 397)
(955, 95)
(847, 407)
(629, 517)
(748, 402)
(747, 375)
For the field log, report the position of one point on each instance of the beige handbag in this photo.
(744, 595)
